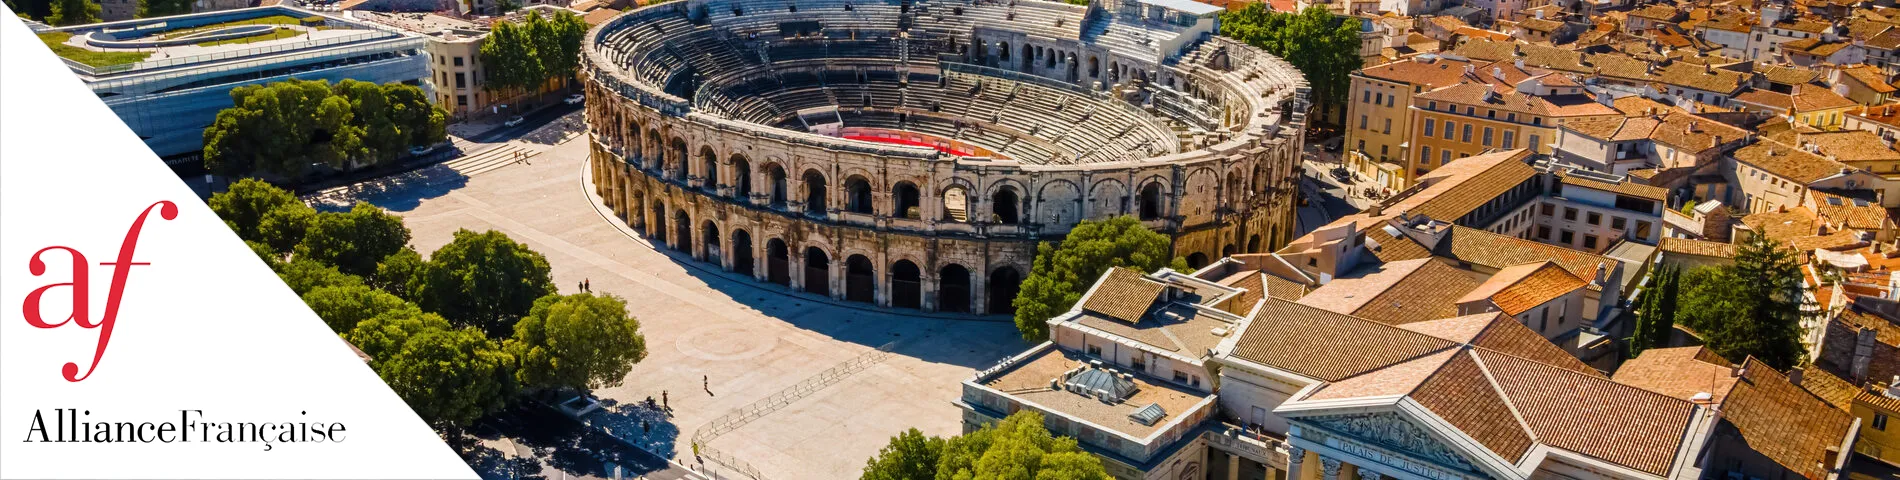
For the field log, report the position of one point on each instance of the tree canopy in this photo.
(450, 377)
(1657, 317)
(73, 12)
(1062, 272)
(355, 241)
(523, 55)
(580, 341)
(1325, 47)
(247, 202)
(1016, 447)
(344, 306)
(285, 128)
(163, 8)
(485, 280)
(304, 275)
(1752, 307)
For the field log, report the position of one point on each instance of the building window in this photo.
(1425, 155)
(1543, 232)
(1510, 139)
(1618, 223)
(1880, 422)
(458, 61)
(1444, 157)
(1594, 218)
(1589, 242)
(1095, 351)
(1487, 136)
(1429, 123)
(1362, 122)
(461, 80)
(1510, 117)
(1565, 236)
(1365, 97)
(1450, 129)
(1570, 214)
(1138, 363)
(461, 100)
(1180, 376)
(1533, 144)
(1388, 126)
(1642, 229)
(1467, 134)
(1431, 105)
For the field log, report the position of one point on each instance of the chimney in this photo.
(1470, 69)
(1604, 98)
(1715, 142)
(1520, 64)
(1794, 375)
(1540, 14)
(1603, 271)
(1497, 72)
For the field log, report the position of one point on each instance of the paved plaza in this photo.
(746, 341)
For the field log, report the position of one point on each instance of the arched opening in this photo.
(742, 252)
(655, 150)
(636, 212)
(1253, 243)
(776, 175)
(710, 162)
(1004, 206)
(904, 201)
(857, 195)
(676, 158)
(709, 236)
(956, 205)
(815, 193)
(1003, 285)
(1197, 260)
(1151, 201)
(1227, 251)
(778, 268)
(953, 289)
(906, 285)
(1095, 67)
(683, 230)
(860, 280)
(656, 231)
(1003, 51)
(817, 271)
(1028, 58)
(741, 178)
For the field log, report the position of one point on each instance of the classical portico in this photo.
(1372, 446)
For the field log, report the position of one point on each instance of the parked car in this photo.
(420, 150)
(515, 120)
(575, 99)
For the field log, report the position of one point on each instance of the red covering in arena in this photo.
(913, 143)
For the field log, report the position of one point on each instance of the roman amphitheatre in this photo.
(911, 154)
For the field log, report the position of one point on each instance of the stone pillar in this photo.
(1329, 468)
(1294, 457)
(1365, 474)
(1233, 467)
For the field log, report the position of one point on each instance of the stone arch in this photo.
(709, 237)
(742, 252)
(857, 195)
(1228, 250)
(655, 149)
(683, 231)
(1152, 205)
(905, 200)
(906, 288)
(636, 211)
(1198, 201)
(1095, 67)
(741, 177)
(1028, 59)
(676, 159)
(1001, 289)
(956, 203)
(778, 189)
(1059, 203)
(817, 271)
(1006, 205)
(709, 163)
(1253, 243)
(860, 279)
(1236, 190)
(1003, 47)
(778, 262)
(813, 183)
(1107, 199)
(656, 228)
(1196, 260)
(953, 289)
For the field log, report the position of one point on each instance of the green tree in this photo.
(1657, 315)
(1752, 307)
(395, 271)
(909, 456)
(394, 117)
(1062, 272)
(450, 377)
(383, 335)
(508, 58)
(33, 9)
(244, 206)
(344, 306)
(355, 241)
(163, 8)
(282, 128)
(73, 12)
(485, 280)
(270, 257)
(1325, 47)
(580, 341)
(1017, 447)
(304, 275)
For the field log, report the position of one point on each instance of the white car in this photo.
(575, 99)
(420, 150)
(515, 120)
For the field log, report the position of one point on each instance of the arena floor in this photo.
(744, 342)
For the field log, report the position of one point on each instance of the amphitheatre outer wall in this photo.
(871, 222)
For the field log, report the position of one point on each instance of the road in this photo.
(1326, 198)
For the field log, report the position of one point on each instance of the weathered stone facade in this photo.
(876, 222)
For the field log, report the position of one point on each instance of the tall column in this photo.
(1294, 457)
(1365, 474)
(1329, 468)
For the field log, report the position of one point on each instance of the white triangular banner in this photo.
(205, 334)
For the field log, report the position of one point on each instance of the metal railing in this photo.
(212, 57)
(765, 406)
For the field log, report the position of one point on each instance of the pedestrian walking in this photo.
(663, 401)
(706, 383)
(587, 284)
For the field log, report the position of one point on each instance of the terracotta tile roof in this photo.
(1567, 410)
(1837, 392)
(1637, 105)
(1657, 12)
(1733, 22)
(1282, 335)
(1124, 295)
(1696, 247)
(1783, 422)
(1620, 188)
(1252, 286)
(600, 16)
(1783, 226)
(1815, 97)
(1419, 71)
(1518, 288)
(1870, 76)
(1877, 400)
(1492, 250)
(1504, 334)
(1397, 379)
(1460, 393)
(1678, 372)
(1832, 241)
(1888, 39)
(1540, 25)
(1284, 289)
(1845, 212)
(1787, 162)
(1430, 292)
(1886, 331)
(1851, 145)
(1391, 249)
(1775, 100)
(1500, 172)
